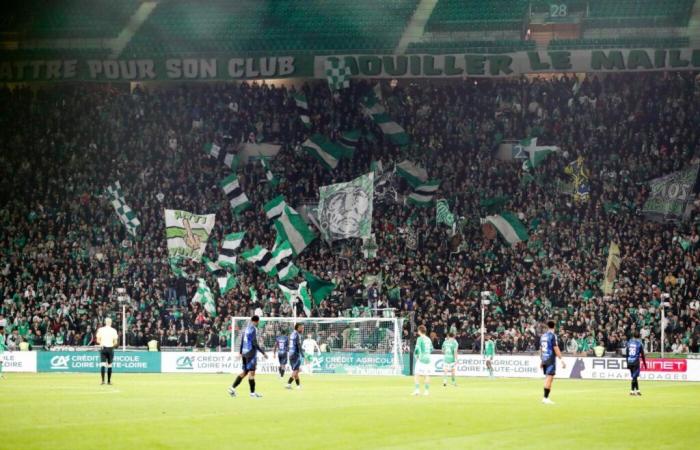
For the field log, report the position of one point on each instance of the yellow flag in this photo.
(611, 268)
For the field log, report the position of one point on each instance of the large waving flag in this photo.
(302, 108)
(299, 292)
(262, 258)
(236, 197)
(227, 254)
(275, 207)
(423, 194)
(611, 268)
(320, 288)
(337, 73)
(291, 227)
(538, 153)
(282, 256)
(509, 226)
(187, 233)
(327, 152)
(269, 176)
(230, 160)
(443, 214)
(345, 209)
(205, 297)
(126, 215)
(414, 174)
(372, 107)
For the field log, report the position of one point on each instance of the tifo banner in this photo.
(670, 193)
(360, 66)
(582, 368)
(19, 362)
(345, 209)
(134, 362)
(513, 64)
(187, 233)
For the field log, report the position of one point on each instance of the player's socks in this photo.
(427, 388)
(102, 372)
(454, 381)
(444, 381)
(546, 392)
(237, 382)
(251, 383)
(297, 381)
(109, 375)
(281, 372)
(289, 382)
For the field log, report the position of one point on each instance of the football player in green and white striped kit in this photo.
(489, 353)
(2, 348)
(449, 358)
(424, 347)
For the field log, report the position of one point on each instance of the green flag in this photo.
(443, 214)
(320, 289)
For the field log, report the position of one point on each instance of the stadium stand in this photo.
(476, 15)
(181, 27)
(84, 19)
(625, 42)
(638, 13)
(64, 250)
(502, 46)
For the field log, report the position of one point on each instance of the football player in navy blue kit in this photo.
(634, 352)
(249, 354)
(549, 351)
(280, 349)
(296, 354)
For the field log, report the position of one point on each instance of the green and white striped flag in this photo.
(230, 160)
(205, 297)
(226, 283)
(337, 73)
(262, 258)
(291, 227)
(302, 108)
(443, 214)
(282, 256)
(350, 139)
(175, 267)
(372, 107)
(227, 254)
(537, 153)
(275, 207)
(509, 226)
(414, 174)
(236, 197)
(268, 173)
(187, 233)
(423, 194)
(211, 266)
(253, 294)
(300, 292)
(327, 152)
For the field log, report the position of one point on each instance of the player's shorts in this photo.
(549, 368)
(249, 364)
(107, 355)
(448, 365)
(294, 361)
(282, 358)
(422, 368)
(634, 369)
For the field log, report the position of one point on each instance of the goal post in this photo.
(358, 346)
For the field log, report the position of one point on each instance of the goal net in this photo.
(359, 346)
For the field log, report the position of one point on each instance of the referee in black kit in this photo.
(107, 338)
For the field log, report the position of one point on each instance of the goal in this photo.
(358, 346)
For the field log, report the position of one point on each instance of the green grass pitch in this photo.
(173, 411)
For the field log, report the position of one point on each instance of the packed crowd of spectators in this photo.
(63, 250)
